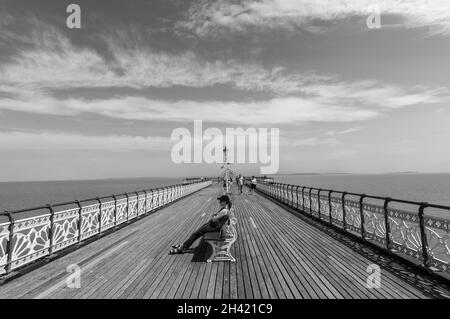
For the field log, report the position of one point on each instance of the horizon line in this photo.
(212, 176)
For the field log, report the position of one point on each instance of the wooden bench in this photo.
(222, 241)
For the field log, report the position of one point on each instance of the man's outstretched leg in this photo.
(195, 235)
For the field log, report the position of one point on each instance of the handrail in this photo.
(407, 233)
(24, 241)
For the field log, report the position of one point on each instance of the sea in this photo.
(22, 195)
(432, 188)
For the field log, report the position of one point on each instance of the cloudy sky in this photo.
(102, 101)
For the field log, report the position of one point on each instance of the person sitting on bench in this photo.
(213, 225)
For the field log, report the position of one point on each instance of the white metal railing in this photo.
(27, 240)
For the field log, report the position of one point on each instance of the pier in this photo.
(282, 251)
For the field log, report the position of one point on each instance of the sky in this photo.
(102, 101)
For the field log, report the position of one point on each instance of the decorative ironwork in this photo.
(107, 214)
(336, 211)
(33, 238)
(438, 243)
(65, 228)
(30, 240)
(406, 230)
(4, 236)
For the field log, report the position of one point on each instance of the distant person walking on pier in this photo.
(215, 223)
(252, 185)
(230, 184)
(240, 183)
(224, 185)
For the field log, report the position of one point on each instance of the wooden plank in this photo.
(273, 288)
(330, 287)
(174, 273)
(250, 281)
(162, 249)
(331, 250)
(312, 256)
(149, 245)
(352, 255)
(336, 294)
(276, 268)
(162, 264)
(303, 282)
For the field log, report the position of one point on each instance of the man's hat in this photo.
(224, 198)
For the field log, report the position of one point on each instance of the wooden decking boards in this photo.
(278, 255)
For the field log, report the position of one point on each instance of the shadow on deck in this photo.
(278, 256)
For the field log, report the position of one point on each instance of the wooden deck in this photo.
(278, 256)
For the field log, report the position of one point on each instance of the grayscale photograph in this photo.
(226, 156)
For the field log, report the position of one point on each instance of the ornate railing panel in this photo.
(33, 238)
(107, 215)
(4, 237)
(352, 216)
(314, 204)
(132, 207)
(324, 207)
(374, 223)
(307, 202)
(438, 242)
(90, 225)
(121, 210)
(300, 198)
(65, 228)
(403, 233)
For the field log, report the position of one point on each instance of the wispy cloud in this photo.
(45, 141)
(54, 62)
(216, 17)
(344, 132)
(275, 111)
(310, 141)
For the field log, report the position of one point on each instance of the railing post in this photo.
(310, 201)
(152, 205)
(128, 204)
(361, 211)
(291, 196)
(51, 230)
(296, 192)
(145, 202)
(318, 203)
(9, 245)
(115, 210)
(303, 198)
(156, 198)
(423, 235)
(287, 194)
(137, 204)
(99, 216)
(386, 223)
(329, 206)
(80, 220)
(344, 213)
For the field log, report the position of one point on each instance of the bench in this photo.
(222, 241)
